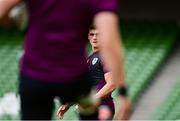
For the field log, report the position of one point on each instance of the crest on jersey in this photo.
(94, 61)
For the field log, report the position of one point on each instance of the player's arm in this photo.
(111, 51)
(5, 8)
(108, 88)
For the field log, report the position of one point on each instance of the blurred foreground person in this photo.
(54, 59)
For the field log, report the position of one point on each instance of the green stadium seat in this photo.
(169, 110)
(146, 45)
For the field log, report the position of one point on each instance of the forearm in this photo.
(116, 59)
(105, 91)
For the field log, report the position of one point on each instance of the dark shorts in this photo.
(37, 97)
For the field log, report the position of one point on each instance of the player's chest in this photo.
(94, 63)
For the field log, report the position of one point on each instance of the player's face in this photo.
(93, 38)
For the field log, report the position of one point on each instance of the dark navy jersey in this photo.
(95, 67)
(97, 72)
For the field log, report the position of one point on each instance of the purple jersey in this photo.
(56, 37)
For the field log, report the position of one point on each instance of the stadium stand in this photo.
(10, 45)
(146, 44)
(170, 108)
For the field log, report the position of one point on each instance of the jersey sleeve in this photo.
(105, 5)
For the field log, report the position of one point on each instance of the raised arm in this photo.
(111, 51)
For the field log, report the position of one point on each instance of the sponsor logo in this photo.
(94, 61)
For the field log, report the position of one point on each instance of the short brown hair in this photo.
(92, 27)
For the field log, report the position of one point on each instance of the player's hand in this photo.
(62, 110)
(125, 109)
